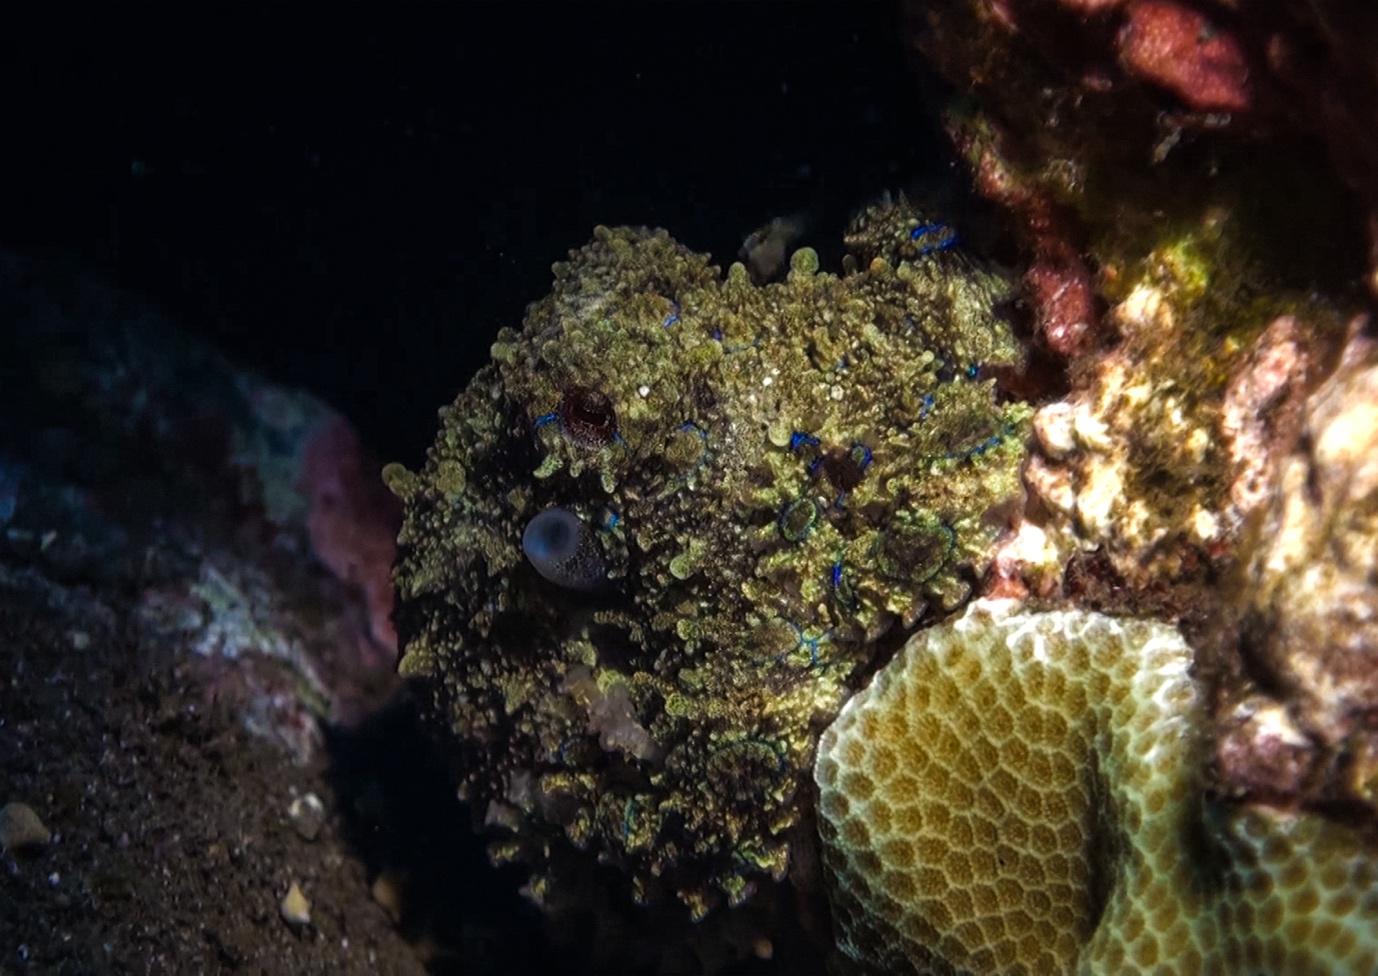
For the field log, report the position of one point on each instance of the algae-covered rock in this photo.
(1307, 589)
(661, 534)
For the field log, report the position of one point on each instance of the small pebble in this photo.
(1054, 428)
(20, 828)
(386, 894)
(296, 910)
(307, 814)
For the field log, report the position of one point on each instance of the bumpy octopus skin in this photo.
(661, 537)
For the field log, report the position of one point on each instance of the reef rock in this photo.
(1191, 185)
(154, 465)
(1307, 580)
(659, 538)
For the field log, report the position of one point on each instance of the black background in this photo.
(355, 203)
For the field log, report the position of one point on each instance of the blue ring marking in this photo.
(777, 750)
(927, 406)
(673, 317)
(800, 439)
(563, 747)
(837, 581)
(803, 640)
(611, 521)
(784, 514)
(703, 458)
(973, 371)
(993, 441)
(942, 245)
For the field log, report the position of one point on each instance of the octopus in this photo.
(679, 519)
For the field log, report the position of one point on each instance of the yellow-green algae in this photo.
(775, 478)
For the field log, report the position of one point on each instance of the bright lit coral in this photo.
(1309, 580)
(1020, 793)
(1163, 447)
(764, 480)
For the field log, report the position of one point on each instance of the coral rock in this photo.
(1312, 560)
(1261, 753)
(1019, 793)
(189, 481)
(1177, 47)
(1261, 411)
(352, 520)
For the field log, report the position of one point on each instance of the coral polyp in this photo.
(1021, 792)
(767, 480)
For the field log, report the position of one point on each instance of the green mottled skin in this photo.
(667, 723)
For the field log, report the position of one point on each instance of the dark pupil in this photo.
(588, 414)
(557, 534)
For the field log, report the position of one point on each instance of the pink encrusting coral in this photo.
(1057, 282)
(1181, 49)
(352, 520)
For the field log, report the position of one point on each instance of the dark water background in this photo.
(355, 203)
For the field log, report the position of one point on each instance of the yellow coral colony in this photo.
(1018, 793)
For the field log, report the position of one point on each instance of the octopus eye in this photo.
(563, 550)
(587, 416)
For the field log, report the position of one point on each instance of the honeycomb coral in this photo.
(761, 482)
(1017, 793)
